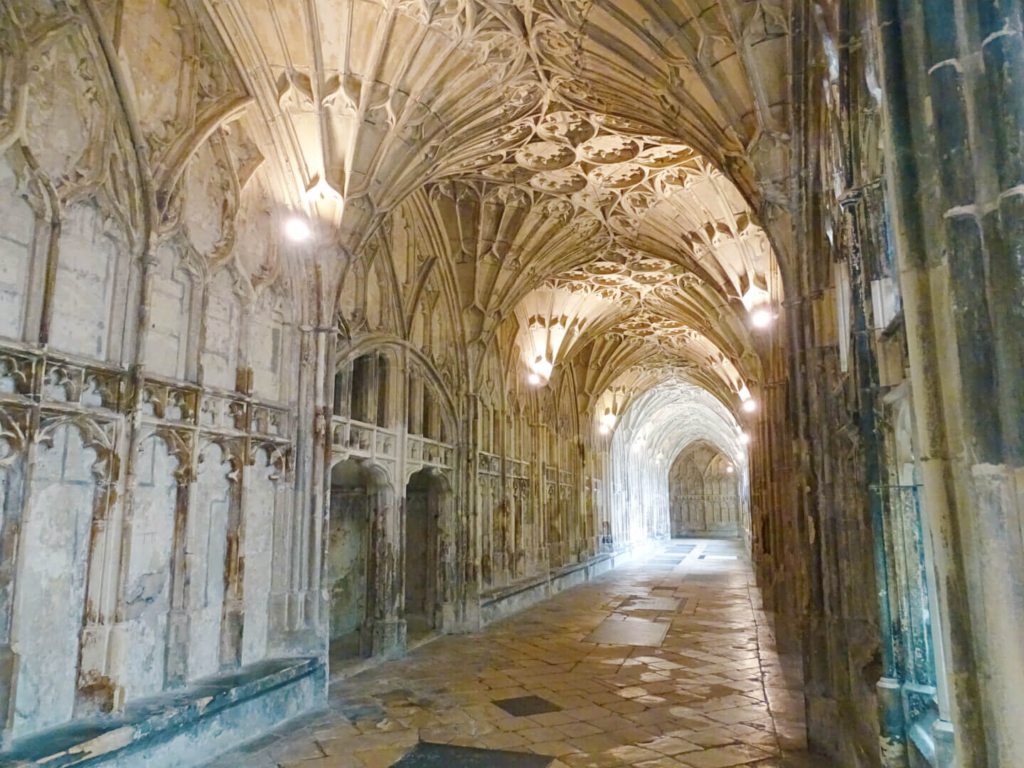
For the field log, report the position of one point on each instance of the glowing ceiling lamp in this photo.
(297, 230)
(729, 469)
(755, 297)
(761, 317)
(744, 438)
(604, 429)
(534, 379)
(542, 367)
(749, 403)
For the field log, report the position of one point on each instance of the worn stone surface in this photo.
(716, 693)
(704, 493)
(355, 320)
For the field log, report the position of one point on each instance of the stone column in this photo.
(469, 544)
(954, 97)
(384, 629)
(892, 728)
(310, 441)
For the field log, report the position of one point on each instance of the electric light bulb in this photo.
(729, 469)
(543, 368)
(608, 419)
(604, 429)
(534, 379)
(761, 318)
(297, 230)
(749, 405)
(744, 438)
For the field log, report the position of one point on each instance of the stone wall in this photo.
(243, 245)
(172, 372)
(704, 497)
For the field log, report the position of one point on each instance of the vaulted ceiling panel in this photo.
(612, 157)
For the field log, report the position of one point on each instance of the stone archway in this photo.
(425, 497)
(357, 491)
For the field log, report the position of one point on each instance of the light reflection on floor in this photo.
(708, 692)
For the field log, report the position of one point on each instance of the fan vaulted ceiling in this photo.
(599, 173)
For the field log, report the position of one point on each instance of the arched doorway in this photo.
(357, 490)
(424, 499)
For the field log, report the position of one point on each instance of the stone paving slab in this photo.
(707, 689)
(631, 631)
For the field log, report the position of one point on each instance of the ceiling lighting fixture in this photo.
(542, 367)
(297, 230)
(604, 429)
(608, 420)
(750, 405)
(762, 318)
(729, 469)
(534, 379)
(744, 438)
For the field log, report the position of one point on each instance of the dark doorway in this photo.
(423, 500)
(356, 492)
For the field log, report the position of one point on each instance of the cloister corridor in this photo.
(666, 661)
(591, 383)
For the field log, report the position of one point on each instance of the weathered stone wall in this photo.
(148, 392)
(891, 405)
(347, 550)
(704, 497)
(167, 394)
(538, 305)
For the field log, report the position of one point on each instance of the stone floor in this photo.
(610, 687)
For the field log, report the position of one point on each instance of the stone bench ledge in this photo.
(105, 740)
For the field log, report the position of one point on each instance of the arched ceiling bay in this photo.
(596, 171)
(668, 417)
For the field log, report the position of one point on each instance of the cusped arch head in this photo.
(356, 472)
(710, 457)
(436, 476)
(95, 436)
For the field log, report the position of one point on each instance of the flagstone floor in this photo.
(666, 662)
